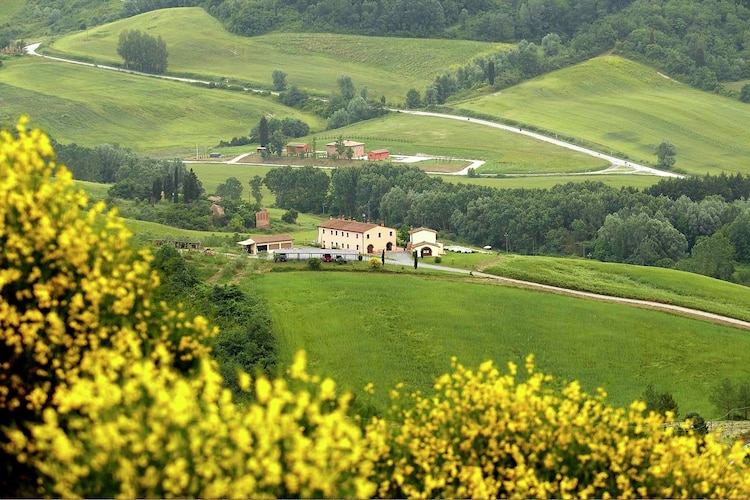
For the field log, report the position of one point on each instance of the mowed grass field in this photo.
(504, 152)
(199, 45)
(9, 8)
(548, 181)
(91, 106)
(390, 328)
(628, 107)
(622, 280)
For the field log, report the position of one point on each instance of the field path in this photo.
(619, 166)
(404, 258)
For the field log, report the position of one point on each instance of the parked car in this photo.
(327, 257)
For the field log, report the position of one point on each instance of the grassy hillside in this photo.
(9, 8)
(198, 44)
(89, 106)
(623, 280)
(630, 108)
(504, 152)
(382, 328)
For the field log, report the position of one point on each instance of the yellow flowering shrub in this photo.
(145, 431)
(104, 393)
(485, 435)
(70, 283)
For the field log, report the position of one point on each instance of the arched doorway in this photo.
(389, 246)
(370, 249)
(427, 252)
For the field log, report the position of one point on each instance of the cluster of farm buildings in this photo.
(357, 150)
(348, 239)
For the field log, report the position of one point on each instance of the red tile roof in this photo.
(347, 225)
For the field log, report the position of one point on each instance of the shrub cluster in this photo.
(107, 393)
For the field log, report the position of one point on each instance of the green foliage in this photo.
(660, 402)
(745, 93)
(413, 99)
(665, 152)
(304, 189)
(279, 80)
(231, 189)
(245, 342)
(143, 52)
(731, 400)
(290, 216)
(314, 263)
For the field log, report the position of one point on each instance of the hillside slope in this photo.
(198, 44)
(629, 107)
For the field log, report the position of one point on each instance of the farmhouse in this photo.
(298, 149)
(257, 244)
(424, 241)
(363, 237)
(378, 154)
(358, 149)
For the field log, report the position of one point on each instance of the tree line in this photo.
(661, 226)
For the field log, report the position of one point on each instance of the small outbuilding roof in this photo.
(273, 238)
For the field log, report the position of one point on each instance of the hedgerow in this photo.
(106, 393)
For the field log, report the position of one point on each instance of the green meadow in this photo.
(627, 107)
(9, 8)
(504, 152)
(622, 280)
(90, 107)
(383, 328)
(199, 45)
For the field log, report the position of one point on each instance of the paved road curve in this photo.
(619, 166)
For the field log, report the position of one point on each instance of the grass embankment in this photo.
(199, 45)
(91, 106)
(628, 107)
(390, 328)
(622, 280)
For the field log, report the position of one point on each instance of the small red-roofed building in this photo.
(424, 241)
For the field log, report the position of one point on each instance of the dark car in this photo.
(327, 257)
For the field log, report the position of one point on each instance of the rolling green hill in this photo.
(199, 45)
(90, 106)
(630, 108)
(9, 8)
(382, 328)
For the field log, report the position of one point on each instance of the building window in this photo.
(390, 233)
(347, 234)
(347, 246)
(378, 235)
(368, 236)
(356, 235)
(357, 247)
(324, 231)
(337, 233)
